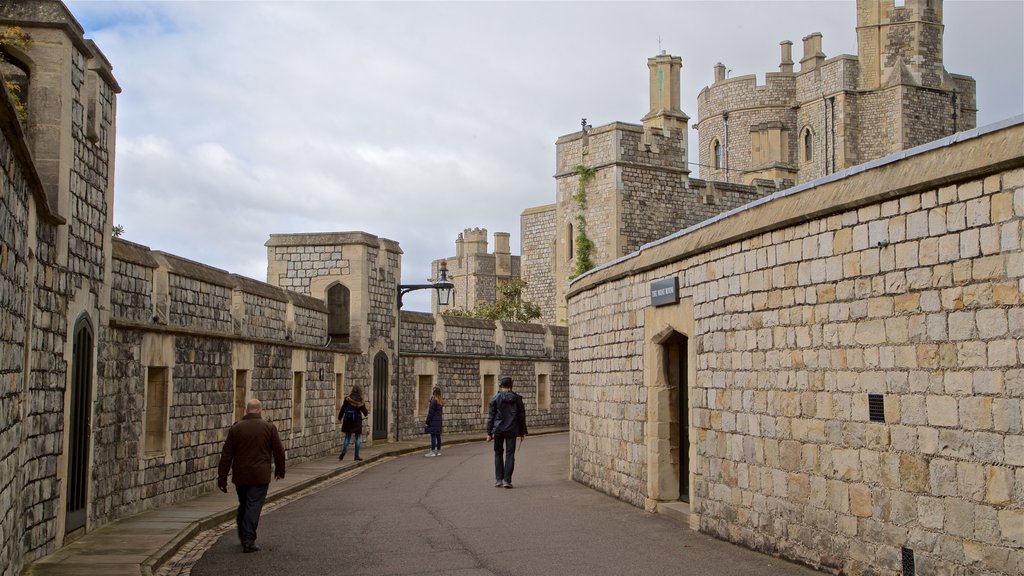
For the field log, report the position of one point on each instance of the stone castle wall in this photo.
(54, 262)
(460, 353)
(906, 281)
(202, 341)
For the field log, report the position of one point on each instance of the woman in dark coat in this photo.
(351, 415)
(435, 421)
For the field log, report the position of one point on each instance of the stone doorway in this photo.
(380, 396)
(676, 370)
(78, 440)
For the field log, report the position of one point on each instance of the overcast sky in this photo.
(415, 120)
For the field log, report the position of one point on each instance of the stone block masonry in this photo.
(466, 356)
(853, 375)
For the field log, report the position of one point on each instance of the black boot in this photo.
(342, 457)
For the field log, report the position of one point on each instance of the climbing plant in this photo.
(14, 36)
(584, 246)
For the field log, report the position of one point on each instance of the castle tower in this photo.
(841, 111)
(900, 38)
(476, 273)
(345, 270)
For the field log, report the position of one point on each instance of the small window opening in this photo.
(808, 145)
(543, 393)
(424, 389)
(298, 401)
(156, 410)
(717, 148)
(487, 391)
(876, 407)
(908, 562)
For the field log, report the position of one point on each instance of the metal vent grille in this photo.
(908, 562)
(876, 407)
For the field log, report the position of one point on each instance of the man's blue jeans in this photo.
(504, 458)
(250, 504)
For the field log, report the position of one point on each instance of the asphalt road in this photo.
(416, 515)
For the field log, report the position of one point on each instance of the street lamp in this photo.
(445, 289)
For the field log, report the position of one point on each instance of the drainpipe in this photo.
(956, 114)
(725, 118)
(832, 113)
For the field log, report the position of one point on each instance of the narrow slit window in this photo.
(487, 391)
(425, 386)
(298, 407)
(543, 393)
(157, 386)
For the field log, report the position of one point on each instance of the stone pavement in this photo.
(141, 544)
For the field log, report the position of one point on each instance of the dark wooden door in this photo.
(78, 428)
(380, 396)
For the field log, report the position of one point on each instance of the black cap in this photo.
(505, 382)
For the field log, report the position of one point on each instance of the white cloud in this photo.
(415, 120)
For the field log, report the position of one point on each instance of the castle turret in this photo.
(476, 273)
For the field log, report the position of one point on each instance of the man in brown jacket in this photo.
(247, 451)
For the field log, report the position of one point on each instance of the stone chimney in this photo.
(813, 56)
(502, 254)
(786, 65)
(719, 72)
(664, 90)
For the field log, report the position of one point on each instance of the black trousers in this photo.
(504, 458)
(250, 504)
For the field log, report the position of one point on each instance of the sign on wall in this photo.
(665, 292)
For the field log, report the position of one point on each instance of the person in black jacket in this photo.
(506, 421)
(351, 415)
(435, 421)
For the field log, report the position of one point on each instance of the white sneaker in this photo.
(437, 452)
(429, 454)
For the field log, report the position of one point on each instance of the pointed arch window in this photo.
(716, 152)
(339, 312)
(808, 145)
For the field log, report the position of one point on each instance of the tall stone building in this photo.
(838, 112)
(621, 186)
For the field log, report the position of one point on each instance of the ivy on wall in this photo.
(14, 36)
(584, 246)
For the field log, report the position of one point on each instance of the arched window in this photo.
(716, 150)
(808, 143)
(338, 312)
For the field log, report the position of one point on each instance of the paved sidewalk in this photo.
(141, 544)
